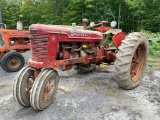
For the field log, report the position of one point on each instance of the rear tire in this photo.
(12, 61)
(131, 60)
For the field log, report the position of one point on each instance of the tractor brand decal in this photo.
(75, 34)
(53, 39)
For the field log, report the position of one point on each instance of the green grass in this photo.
(1, 104)
(111, 91)
(154, 49)
(150, 35)
(101, 67)
(3, 85)
(154, 57)
(154, 63)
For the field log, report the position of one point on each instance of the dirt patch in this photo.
(92, 96)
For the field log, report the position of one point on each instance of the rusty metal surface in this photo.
(138, 63)
(13, 62)
(117, 38)
(67, 47)
(113, 31)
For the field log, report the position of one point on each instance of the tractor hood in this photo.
(67, 30)
(15, 33)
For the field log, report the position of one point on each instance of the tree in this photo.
(3, 3)
(151, 19)
(10, 15)
(73, 12)
(134, 14)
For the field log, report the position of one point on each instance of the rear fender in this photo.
(117, 38)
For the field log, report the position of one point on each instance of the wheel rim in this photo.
(13, 62)
(48, 90)
(29, 85)
(138, 63)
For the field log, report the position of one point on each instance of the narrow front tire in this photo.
(44, 89)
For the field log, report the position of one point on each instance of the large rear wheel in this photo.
(22, 86)
(44, 89)
(131, 60)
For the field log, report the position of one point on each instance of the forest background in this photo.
(132, 15)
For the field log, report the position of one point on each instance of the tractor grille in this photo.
(40, 46)
(1, 40)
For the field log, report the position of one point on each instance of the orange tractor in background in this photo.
(12, 43)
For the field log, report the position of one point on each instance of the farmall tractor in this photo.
(62, 47)
(12, 43)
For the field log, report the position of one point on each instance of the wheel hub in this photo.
(13, 62)
(137, 64)
(29, 85)
(48, 90)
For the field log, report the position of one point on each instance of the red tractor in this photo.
(62, 47)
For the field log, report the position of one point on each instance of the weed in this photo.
(72, 72)
(151, 35)
(101, 67)
(72, 118)
(3, 85)
(154, 63)
(1, 104)
(154, 49)
(113, 92)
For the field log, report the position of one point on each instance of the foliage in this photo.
(151, 18)
(154, 49)
(134, 14)
(154, 46)
(3, 3)
(3, 85)
(72, 12)
(153, 63)
(10, 15)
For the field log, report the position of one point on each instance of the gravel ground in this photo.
(92, 96)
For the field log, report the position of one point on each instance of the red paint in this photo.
(67, 34)
(102, 28)
(47, 40)
(57, 34)
(117, 38)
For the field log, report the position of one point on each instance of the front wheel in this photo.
(44, 89)
(131, 60)
(23, 82)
